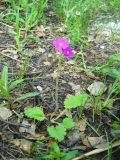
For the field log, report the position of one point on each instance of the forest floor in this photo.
(40, 77)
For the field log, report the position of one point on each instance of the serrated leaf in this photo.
(35, 113)
(57, 132)
(27, 95)
(78, 100)
(68, 123)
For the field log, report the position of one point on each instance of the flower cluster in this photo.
(63, 46)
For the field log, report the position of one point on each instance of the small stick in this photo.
(14, 124)
(96, 151)
(60, 115)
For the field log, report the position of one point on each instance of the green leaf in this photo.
(4, 82)
(15, 84)
(116, 124)
(116, 131)
(27, 95)
(35, 113)
(115, 58)
(68, 123)
(70, 155)
(75, 101)
(55, 147)
(57, 132)
(112, 72)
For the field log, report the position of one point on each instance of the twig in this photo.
(14, 124)
(60, 115)
(96, 151)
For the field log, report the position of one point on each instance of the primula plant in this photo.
(62, 47)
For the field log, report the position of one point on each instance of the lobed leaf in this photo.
(57, 132)
(75, 101)
(68, 123)
(35, 113)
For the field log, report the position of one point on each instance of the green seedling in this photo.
(59, 132)
(115, 124)
(55, 153)
(25, 15)
(17, 35)
(112, 69)
(6, 88)
(17, 31)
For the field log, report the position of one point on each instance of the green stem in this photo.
(83, 60)
(57, 83)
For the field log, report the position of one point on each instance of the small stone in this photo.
(97, 88)
(40, 89)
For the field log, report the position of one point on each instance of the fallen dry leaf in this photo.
(23, 144)
(73, 138)
(96, 142)
(86, 142)
(30, 130)
(81, 125)
(36, 137)
(5, 113)
(68, 113)
(40, 31)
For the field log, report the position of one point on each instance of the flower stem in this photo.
(83, 59)
(57, 84)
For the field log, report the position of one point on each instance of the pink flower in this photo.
(60, 44)
(68, 53)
